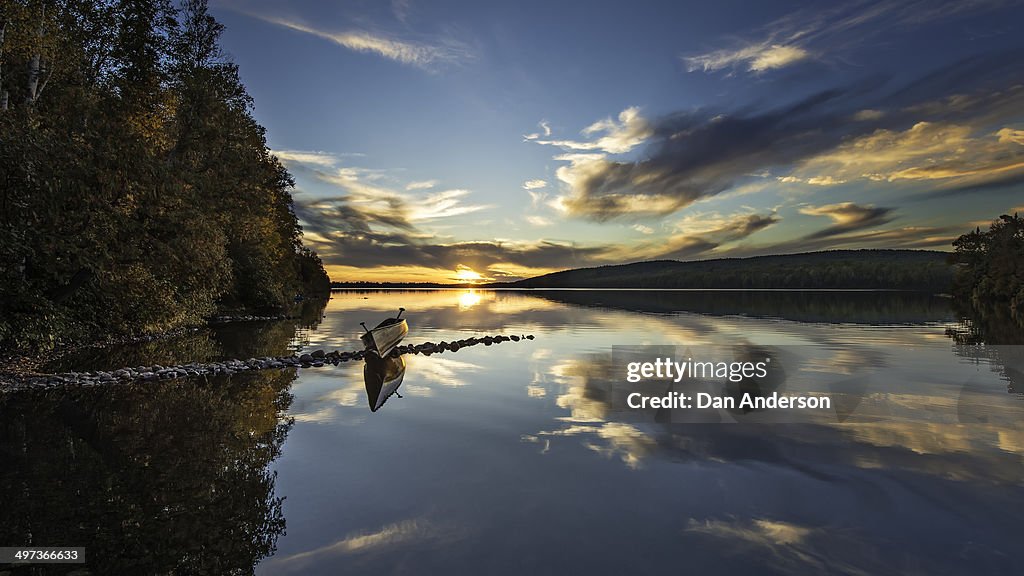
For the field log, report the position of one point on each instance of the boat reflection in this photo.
(382, 377)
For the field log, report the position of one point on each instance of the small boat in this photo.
(383, 339)
(382, 377)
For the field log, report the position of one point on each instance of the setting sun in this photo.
(463, 274)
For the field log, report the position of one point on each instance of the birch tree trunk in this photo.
(34, 63)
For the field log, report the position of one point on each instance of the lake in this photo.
(521, 457)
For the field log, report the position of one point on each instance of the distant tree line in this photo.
(837, 269)
(137, 192)
(990, 265)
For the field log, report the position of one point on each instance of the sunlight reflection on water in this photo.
(529, 435)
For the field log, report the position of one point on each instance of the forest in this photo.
(835, 269)
(137, 191)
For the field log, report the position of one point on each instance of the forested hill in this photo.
(881, 269)
(137, 191)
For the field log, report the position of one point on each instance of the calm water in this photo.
(520, 458)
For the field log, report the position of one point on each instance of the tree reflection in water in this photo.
(171, 478)
(155, 478)
(995, 336)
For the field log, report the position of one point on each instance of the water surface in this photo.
(521, 458)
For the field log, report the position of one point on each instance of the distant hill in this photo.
(834, 269)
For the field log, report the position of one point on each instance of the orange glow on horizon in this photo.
(423, 274)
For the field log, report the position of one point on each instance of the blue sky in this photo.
(484, 140)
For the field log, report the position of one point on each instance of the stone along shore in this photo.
(314, 359)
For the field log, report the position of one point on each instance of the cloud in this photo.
(952, 124)
(365, 202)
(373, 249)
(422, 185)
(545, 131)
(536, 198)
(324, 159)
(534, 184)
(927, 151)
(401, 9)
(760, 532)
(695, 154)
(1010, 136)
(805, 34)
(426, 55)
(713, 232)
(410, 532)
(616, 136)
(907, 237)
(643, 229)
(757, 58)
(848, 217)
(814, 180)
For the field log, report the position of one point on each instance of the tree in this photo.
(138, 191)
(991, 264)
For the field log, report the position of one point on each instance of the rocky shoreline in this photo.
(315, 359)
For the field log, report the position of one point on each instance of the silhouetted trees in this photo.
(990, 265)
(137, 192)
(834, 269)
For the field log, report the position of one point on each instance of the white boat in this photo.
(386, 335)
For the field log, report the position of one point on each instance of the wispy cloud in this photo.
(422, 54)
(545, 128)
(421, 185)
(807, 34)
(866, 235)
(699, 234)
(613, 136)
(314, 158)
(757, 58)
(534, 184)
(847, 217)
(418, 531)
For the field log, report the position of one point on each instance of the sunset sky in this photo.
(440, 141)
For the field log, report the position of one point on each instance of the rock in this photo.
(318, 354)
(514, 338)
(529, 337)
(305, 358)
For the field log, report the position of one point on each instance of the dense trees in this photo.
(848, 269)
(990, 265)
(137, 191)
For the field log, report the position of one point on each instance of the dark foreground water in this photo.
(520, 458)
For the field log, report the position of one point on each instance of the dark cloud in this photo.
(848, 217)
(696, 154)
(909, 237)
(686, 246)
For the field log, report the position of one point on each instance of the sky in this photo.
(475, 141)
